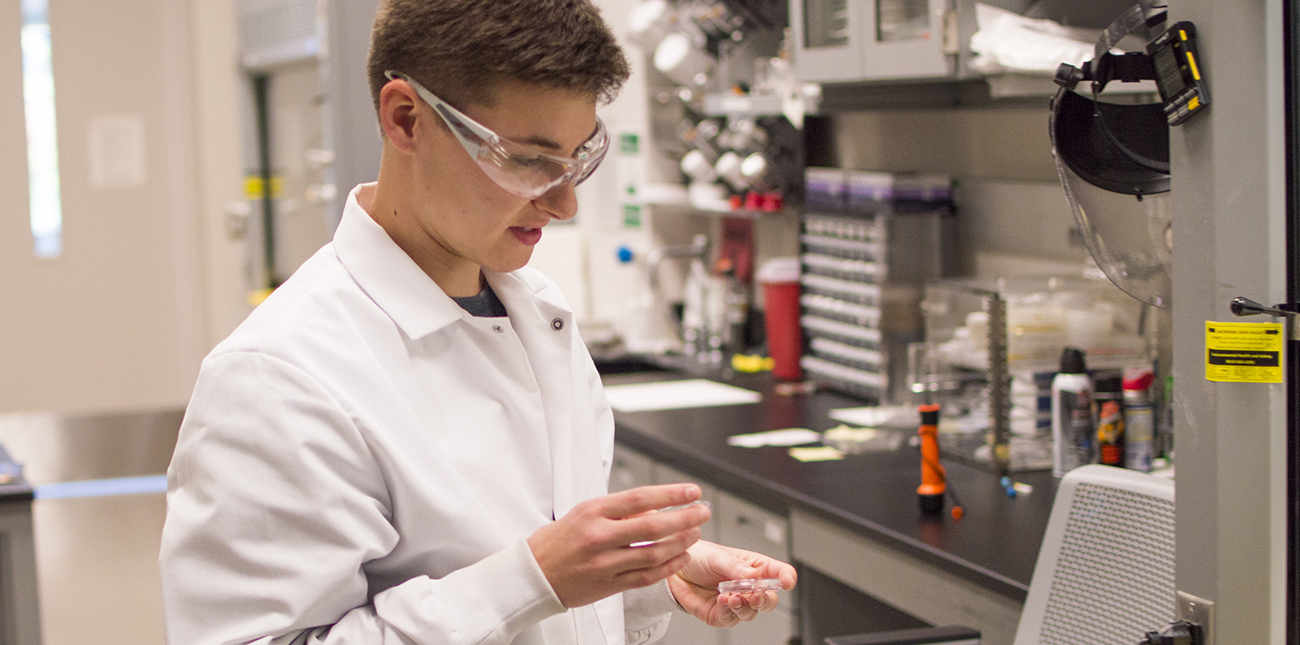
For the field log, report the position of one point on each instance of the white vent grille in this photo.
(1114, 571)
(275, 28)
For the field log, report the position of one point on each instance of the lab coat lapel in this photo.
(544, 324)
(534, 314)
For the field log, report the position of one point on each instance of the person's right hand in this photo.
(588, 555)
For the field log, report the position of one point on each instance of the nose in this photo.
(560, 202)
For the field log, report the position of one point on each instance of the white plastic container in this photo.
(1073, 439)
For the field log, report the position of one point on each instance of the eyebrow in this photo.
(541, 142)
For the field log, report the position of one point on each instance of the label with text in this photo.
(1243, 352)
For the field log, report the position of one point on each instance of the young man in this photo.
(407, 442)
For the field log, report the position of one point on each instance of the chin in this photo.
(511, 262)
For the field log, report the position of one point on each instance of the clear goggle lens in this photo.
(523, 171)
(518, 168)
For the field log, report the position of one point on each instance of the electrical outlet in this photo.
(1199, 611)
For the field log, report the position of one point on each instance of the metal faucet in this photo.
(698, 248)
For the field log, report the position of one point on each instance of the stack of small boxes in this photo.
(869, 243)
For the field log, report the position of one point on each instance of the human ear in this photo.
(397, 117)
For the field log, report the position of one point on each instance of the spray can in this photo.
(1140, 418)
(1072, 430)
(1108, 399)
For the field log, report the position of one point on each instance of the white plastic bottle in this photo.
(1073, 439)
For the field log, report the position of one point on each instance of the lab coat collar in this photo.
(388, 275)
(528, 283)
(403, 290)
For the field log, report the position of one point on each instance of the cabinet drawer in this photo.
(746, 526)
(664, 474)
(629, 470)
(768, 628)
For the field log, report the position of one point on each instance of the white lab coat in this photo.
(362, 461)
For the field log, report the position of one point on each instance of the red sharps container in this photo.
(780, 280)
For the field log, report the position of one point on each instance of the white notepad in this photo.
(876, 416)
(675, 395)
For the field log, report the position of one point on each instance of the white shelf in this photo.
(1027, 85)
(743, 105)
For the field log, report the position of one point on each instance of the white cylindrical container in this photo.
(648, 24)
(728, 167)
(696, 165)
(682, 61)
(1073, 440)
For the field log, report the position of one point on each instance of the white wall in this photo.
(1004, 143)
(122, 318)
(220, 170)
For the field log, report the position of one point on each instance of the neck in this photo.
(397, 215)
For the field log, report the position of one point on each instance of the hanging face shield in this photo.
(1112, 151)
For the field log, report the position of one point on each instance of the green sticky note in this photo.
(819, 453)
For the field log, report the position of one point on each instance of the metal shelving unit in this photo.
(864, 268)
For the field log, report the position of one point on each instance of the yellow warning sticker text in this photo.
(1243, 352)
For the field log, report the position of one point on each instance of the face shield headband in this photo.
(518, 168)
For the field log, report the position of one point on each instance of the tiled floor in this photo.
(97, 556)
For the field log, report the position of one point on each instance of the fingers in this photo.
(765, 567)
(657, 526)
(648, 498)
(741, 608)
(613, 543)
(637, 523)
(644, 577)
(732, 610)
(747, 605)
(646, 554)
(784, 572)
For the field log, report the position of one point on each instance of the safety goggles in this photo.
(520, 169)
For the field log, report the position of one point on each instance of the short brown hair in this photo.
(462, 49)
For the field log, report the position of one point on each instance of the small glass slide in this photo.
(698, 502)
(749, 586)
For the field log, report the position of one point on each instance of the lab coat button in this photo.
(496, 328)
(557, 324)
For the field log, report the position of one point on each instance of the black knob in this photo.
(1068, 76)
(1247, 307)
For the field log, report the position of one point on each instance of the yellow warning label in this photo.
(1243, 352)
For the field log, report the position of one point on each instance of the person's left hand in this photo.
(695, 586)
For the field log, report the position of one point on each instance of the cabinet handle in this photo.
(1246, 307)
(951, 35)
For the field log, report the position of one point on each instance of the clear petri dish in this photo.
(749, 586)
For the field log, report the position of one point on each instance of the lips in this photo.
(528, 236)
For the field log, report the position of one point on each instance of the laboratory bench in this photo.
(869, 560)
(19, 614)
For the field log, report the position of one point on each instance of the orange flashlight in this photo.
(933, 475)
